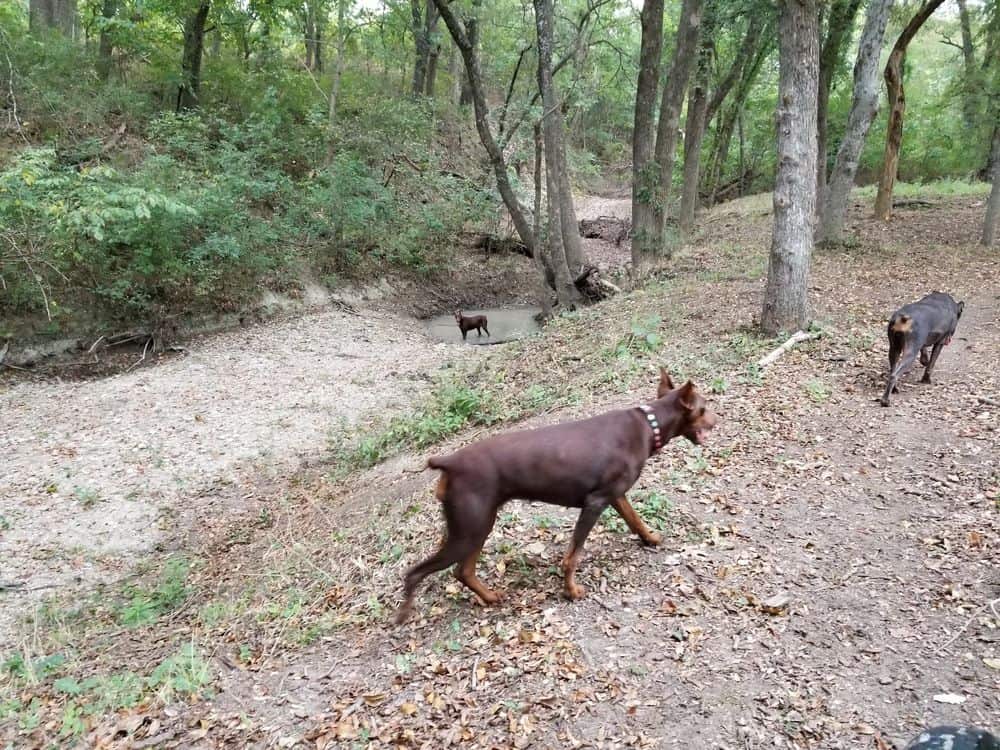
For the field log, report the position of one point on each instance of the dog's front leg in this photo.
(634, 521)
(929, 364)
(592, 509)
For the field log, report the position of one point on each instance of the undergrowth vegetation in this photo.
(201, 210)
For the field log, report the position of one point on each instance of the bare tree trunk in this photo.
(897, 109)
(727, 124)
(473, 26)
(786, 296)
(969, 58)
(309, 31)
(318, 44)
(674, 89)
(432, 66)
(338, 72)
(750, 44)
(194, 45)
(560, 230)
(838, 35)
(105, 48)
(645, 175)
(694, 130)
(457, 74)
(541, 266)
(648, 227)
(468, 48)
(864, 107)
(572, 242)
(422, 44)
(53, 14)
(992, 217)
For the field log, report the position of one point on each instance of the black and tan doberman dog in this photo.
(928, 323)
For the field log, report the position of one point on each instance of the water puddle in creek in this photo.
(505, 324)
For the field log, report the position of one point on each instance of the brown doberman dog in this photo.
(466, 324)
(589, 464)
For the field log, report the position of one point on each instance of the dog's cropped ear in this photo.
(686, 395)
(961, 306)
(666, 384)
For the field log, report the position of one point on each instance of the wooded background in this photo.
(177, 155)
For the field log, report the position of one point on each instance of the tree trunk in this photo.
(422, 44)
(105, 48)
(53, 14)
(694, 131)
(457, 74)
(648, 233)
(561, 231)
(897, 109)
(338, 72)
(194, 45)
(318, 45)
(645, 176)
(746, 53)
(864, 107)
(993, 205)
(473, 26)
(467, 46)
(538, 256)
(969, 92)
(785, 298)
(727, 124)
(432, 66)
(838, 35)
(309, 32)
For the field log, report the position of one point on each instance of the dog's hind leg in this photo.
(929, 365)
(468, 527)
(634, 521)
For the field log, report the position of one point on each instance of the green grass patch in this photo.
(935, 189)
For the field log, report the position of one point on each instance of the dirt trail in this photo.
(98, 472)
(879, 525)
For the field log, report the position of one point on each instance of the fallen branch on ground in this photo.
(796, 338)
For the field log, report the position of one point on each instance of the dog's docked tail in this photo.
(440, 463)
(900, 324)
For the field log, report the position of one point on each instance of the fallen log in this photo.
(607, 228)
(796, 338)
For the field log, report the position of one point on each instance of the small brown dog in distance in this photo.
(589, 464)
(466, 324)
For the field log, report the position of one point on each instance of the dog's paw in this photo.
(574, 591)
(653, 540)
(925, 379)
(489, 597)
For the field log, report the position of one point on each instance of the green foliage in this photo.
(144, 606)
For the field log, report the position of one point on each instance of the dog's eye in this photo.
(701, 411)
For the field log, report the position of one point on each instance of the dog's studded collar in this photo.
(654, 425)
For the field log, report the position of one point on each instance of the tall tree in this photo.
(645, 177)
(694, 129)
(468, 46)
(60, 15)
(726, 124)
(424, 21)
(897, 109)
(562, 226)
(864, 107)
(194, 47)
(648, 223)
(105, 48)
(838, 35)
(992, 217)
(969, 60)
(785, 298)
